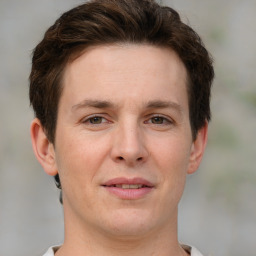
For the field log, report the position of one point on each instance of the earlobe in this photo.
(43, 148)
(198, 148)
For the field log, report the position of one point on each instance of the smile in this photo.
(129, 186)
(128, 189)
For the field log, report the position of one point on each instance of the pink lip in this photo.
(128, 194)
(122, 180)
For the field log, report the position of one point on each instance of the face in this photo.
(123, 141)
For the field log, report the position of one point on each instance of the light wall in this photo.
(218, 211)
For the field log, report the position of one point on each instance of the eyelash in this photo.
(88, 120)
(165, 121)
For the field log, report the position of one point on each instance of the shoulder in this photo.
(195, 252)
(192, 250)
(51, 251)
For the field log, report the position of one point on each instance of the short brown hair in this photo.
(99, 22)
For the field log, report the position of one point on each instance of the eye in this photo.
(94, 120)
(159, 120)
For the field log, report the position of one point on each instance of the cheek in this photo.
(79, 161)
(79, 158)
(172, 154)
(172, 159)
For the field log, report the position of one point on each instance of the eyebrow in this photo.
(164, 104)
(93, 103)
(101, 104)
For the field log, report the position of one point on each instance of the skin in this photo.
(123, 113)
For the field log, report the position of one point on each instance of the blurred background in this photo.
(218, 210)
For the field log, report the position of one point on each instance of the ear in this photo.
(43, 148)
(198, 148)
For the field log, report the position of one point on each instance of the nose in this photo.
(129, 145)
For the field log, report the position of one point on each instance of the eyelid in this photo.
(168, 119)
(86, 119)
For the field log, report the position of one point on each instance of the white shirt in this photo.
(193, 251)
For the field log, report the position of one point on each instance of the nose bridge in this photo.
(129, 143)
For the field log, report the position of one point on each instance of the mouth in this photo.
(128, 183)
(130, 189)
(128, 186)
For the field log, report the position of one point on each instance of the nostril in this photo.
(139, 159)
(120, 158)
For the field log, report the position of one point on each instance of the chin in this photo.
(134, 223)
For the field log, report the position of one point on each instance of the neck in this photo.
(81, 240)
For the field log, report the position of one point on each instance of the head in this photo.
(101, 22)
(121, 91)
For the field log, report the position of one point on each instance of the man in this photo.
(120, 90)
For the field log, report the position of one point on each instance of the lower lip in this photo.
(129, 194)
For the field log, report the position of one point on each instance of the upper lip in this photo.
(129, 181)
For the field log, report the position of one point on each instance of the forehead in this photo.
(119, 52)
(119, 71)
